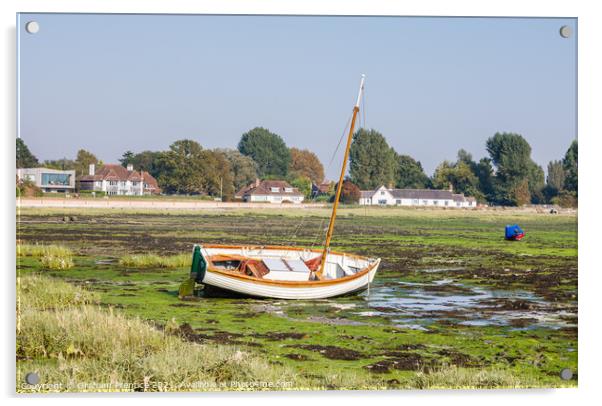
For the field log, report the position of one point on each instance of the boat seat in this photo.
(286, 269)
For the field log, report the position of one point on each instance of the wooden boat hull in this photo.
(360, 272)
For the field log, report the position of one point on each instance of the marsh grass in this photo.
(68, 341)
(54, 257)
(156, 261)
(453, 377)
(43, 293)
(38, 250)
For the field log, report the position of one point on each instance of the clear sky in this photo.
(111, 83)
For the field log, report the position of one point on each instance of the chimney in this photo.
(130, 167)
(451, 187)
(257, 182)
(91, 169)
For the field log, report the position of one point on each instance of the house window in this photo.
(415, 201)
(398, 201)
(382, 192)
(425, 202)
(55, 179)
(384, 201)
(275, 189)
(447, 202)
(113, 183)
(458, 204)
(288, 189)
(436, 202)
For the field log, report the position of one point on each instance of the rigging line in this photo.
(340, 140)
(319, 233)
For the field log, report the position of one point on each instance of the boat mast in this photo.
(333, 216)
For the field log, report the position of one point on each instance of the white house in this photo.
(116, 180)
(270, 191)
(49, 180)
(415, 197)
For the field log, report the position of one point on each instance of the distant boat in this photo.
(285, 272)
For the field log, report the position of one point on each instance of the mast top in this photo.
(359, 96)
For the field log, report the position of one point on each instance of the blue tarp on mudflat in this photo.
(514, 232)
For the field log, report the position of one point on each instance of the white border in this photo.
(589, 69)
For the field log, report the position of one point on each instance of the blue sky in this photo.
(111, 83)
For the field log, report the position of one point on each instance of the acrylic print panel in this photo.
(179, 227)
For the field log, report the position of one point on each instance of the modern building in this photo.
(416, 197)
(49, 180)
(270, 191)
(114, 179)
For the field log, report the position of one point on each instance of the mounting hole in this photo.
(32, 378)
(566, 31)
(566, 374)
(32, 27)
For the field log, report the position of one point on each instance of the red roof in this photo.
(114, 172)
(265, 187)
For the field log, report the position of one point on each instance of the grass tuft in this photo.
(38, 250)
(156, 261)
(43, 293)
(54, 257)
(452, 377)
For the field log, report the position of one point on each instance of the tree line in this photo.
(188, 168)
(508, 176)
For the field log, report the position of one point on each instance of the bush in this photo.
(350, 193)
(565, 199)
(26, 188)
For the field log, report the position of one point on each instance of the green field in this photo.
(453, 304)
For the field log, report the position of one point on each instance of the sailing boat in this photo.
(285, 272)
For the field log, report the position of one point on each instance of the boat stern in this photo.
(197, 273)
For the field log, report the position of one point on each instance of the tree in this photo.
(25, 159)
(570, 166)
(127, 158)
(536, 180)
(522, 195)
(350, 193)
(303, 183)
(182, 168)
(555, 180)
(459, 176)
(511, 154)
(486, 176)
(219, 176)
(142, 161)
(556, 175)
(244, 168)
(305, 163)
(268, 150)
(372, 162)
(63, 164)
(409, 173)
(83, 161)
